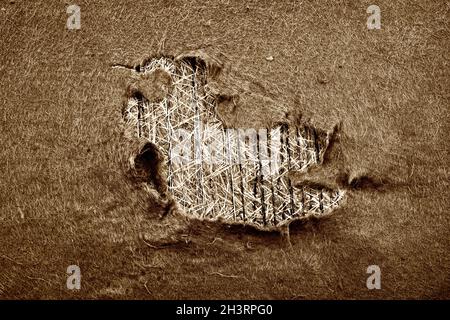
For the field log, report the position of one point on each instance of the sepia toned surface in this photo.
(66, 196)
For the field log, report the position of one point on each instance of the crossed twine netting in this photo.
(233, 175)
